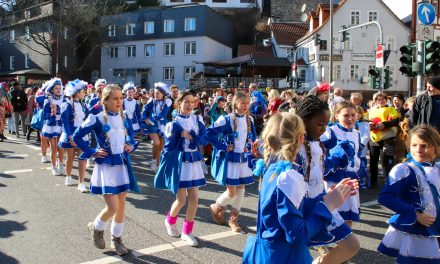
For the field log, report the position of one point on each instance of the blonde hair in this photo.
(428, 134)
(106, 92)
(274, 94)
(356, 96)
(281, 136)
(239, 95)
(341, 106)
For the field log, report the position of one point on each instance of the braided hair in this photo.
(307, 109)
(106, 92)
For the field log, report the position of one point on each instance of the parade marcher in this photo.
(19, 105)
(343, 135)
(384, 121)
(426, 108)
(52, 126)
(155, 116)
(73, 114)
(312, 165)
(94, 107)
(131, 106)
(258, 109)
(40, 98)
(112, 175)
(287, 220)
(322, 91)
(364, 129)
(232, 136)
(181, 165)
(412, 192)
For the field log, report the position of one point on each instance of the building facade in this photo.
(163, 44)
(218, 3)
(353, 58)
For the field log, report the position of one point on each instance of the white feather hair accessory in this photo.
(73, 87)
(51, 83)
(162, 87)
(128, 86)
(100, 82)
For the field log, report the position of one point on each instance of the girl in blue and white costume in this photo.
(312, 163)
(412, 191)
(112, 175)
(180, 167)
(52, 126)
(40, 97)
(131, 106)
(155, 114)
(232, 136)
(73, 114)
(287, 220)
(339, 140)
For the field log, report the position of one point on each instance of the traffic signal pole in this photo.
(420, 72)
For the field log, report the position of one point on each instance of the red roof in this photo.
(252, 49)
(288, 33)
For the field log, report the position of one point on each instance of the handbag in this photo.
(37, 120)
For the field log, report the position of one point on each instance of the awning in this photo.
(271, 62)
(229, 63)
(30, 71)
(267, 61)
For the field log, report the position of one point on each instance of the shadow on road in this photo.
(5, 259)
(8, 226)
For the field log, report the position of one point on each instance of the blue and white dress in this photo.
(157, 112)
(335, 137)
(94, 107)
(112, 174)
(412, 187)
(287, 220)
(132, 108)
(231, 168)
(315, 187)
(52, 126)
(181, 160)
(73, 115)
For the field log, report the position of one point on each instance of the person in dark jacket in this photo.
(426, 108)
(19, 103)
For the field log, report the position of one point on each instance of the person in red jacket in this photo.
(274, 102)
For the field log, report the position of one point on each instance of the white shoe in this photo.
(89, 163)
(55, 171)
(190, 239)
(61, 169)
(204, 168)
(172, 229)
(44, 159)
(68, 181)
(82, 188)
(153, 166)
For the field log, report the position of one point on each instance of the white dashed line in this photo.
(18, 171)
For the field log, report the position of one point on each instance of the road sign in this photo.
(425, 32)
(426, 14)
(379, 56)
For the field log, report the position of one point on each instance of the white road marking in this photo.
(160, 248)
(32, 147)
(370, 203)
(16, 156)
(18, 171)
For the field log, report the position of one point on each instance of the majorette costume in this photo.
(112, 174)
(287, 220)
(231, 168)
(181, 160)
(313, 173)
(132, 108)
(157, 111)
(94, 107)
(73, 113)
(52, 126)
(349, 141)
(412, 187)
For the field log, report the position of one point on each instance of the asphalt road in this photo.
(43, 221)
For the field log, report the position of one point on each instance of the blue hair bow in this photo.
(259, 167)
(283, 166)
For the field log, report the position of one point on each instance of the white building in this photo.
(352, 59)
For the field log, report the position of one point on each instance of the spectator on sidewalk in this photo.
(426, 108)
(19, 105)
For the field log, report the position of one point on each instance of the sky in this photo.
(401, 8)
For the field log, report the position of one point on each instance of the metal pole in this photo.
(331, 43)
(420, 56)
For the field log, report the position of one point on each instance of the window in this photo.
(190, 48)
(302, 76)
(168, 49)
(12, 36)
(336, 43)
(129, 29)
(355, 18)
(391, 43)
(190, 24)
(290, 53)
(114, 52)
(354, 72)
(337, 72)
(131, 51)
(27, 14)
(27, 33)
(149, 50)
(372, 16)
(168, 25)
(112, 30)
(168, 73)
(11, 63)
(189, 72)
(149, 27)
(65, 33)
(26, 60)
(65, 61)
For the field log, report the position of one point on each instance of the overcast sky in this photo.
(401, 8)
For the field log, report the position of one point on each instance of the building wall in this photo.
(207, 49)
(361, 50)
(228, 4)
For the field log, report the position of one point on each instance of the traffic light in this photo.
(387, 78)
(345, 35)
(432, 58)
(374, 78)
(407, 60)
(317, 39)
